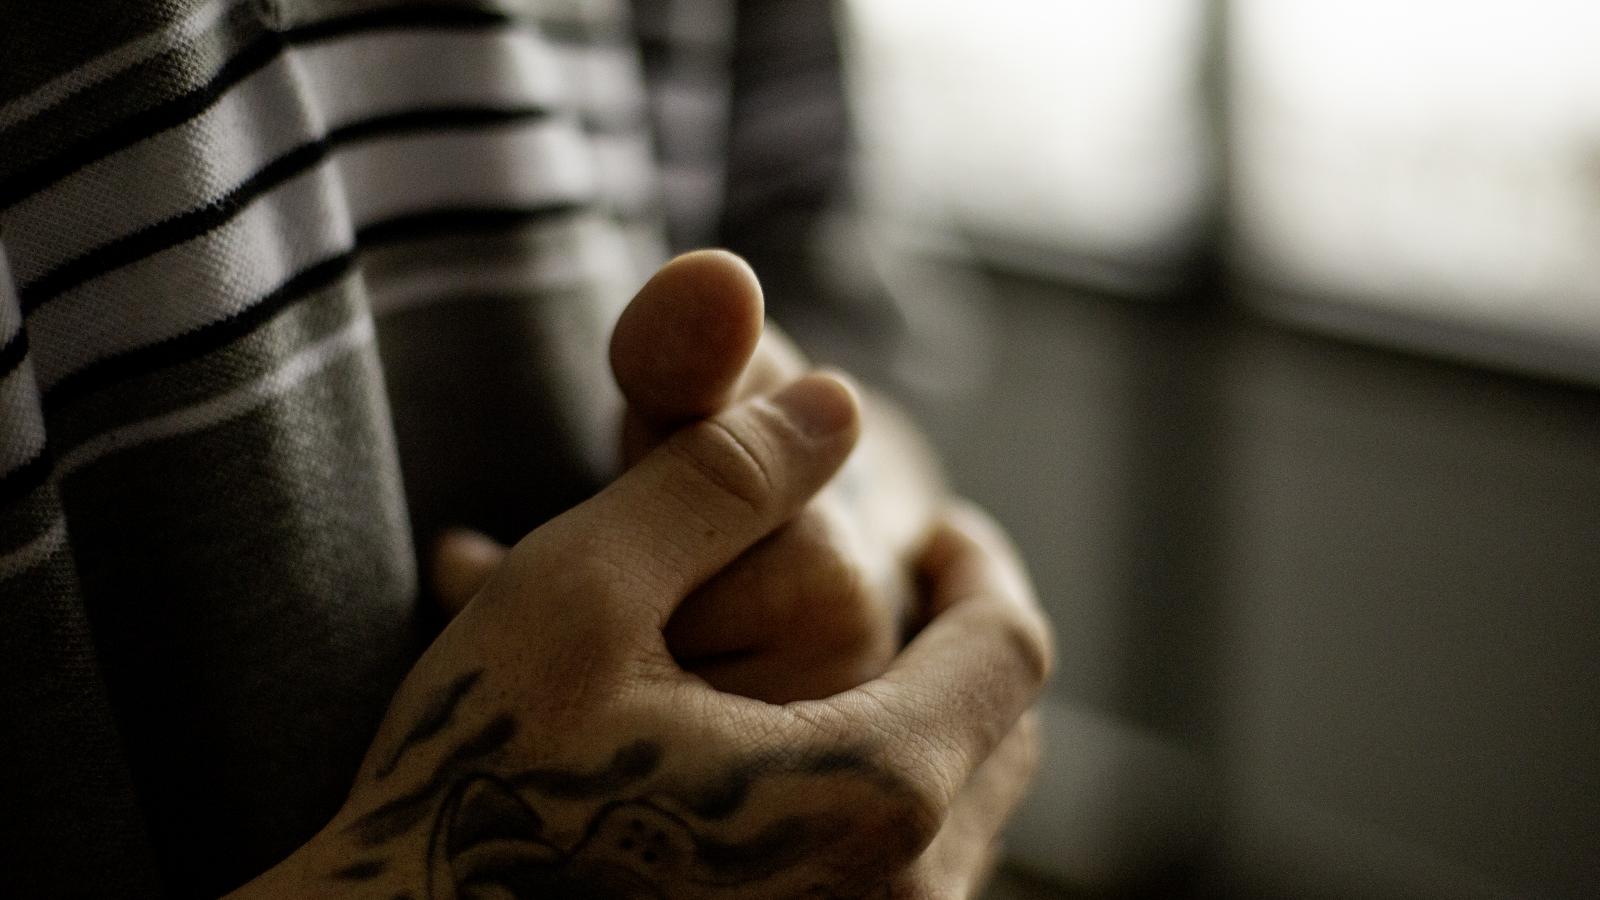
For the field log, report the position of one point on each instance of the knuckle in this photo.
(919, 808)
(898, 827)
(846, 614)
(912, 795)
(1036, 644)
(916, 799)
(1026, 635)
(733, 465)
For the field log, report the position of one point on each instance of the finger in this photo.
(776, 362)
(960, 686)
(680, 348)
(707, 495)
(963, 855)
(774, 588)
(893, 480)
(804, 614)
(463, 560)
(743, 608)
(793, 672)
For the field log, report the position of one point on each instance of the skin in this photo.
(548, 744)
(822, 604)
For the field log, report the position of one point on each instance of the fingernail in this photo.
(819, 405)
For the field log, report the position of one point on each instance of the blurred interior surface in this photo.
(1272, 330)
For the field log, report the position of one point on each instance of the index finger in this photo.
(963, 683)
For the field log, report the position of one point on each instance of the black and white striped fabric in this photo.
(284, 286)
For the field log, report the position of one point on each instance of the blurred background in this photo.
(1272, 329)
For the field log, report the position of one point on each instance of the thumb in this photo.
(703, 497)
(681, 346)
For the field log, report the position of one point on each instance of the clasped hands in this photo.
(693, 684)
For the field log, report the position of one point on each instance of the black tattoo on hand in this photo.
(487, 839)
(432, 721)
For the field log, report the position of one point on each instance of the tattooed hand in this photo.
(819, 606)
(547, 745)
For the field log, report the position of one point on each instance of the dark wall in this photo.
(1356, 593)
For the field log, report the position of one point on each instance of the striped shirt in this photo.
(285, 285)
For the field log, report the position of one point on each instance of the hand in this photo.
(546, 745)
(821, 605)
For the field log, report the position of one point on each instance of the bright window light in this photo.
(1435, 158)
(1066, 125)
